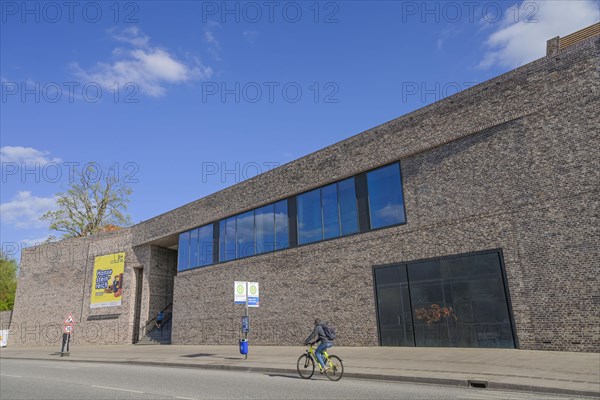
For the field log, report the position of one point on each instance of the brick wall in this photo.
(55, 279)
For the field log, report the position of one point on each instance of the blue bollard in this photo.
(244, 346)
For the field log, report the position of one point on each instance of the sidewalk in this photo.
(534, 371)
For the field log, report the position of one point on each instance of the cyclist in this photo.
(318, 334)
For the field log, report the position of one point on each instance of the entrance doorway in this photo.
(454, 301)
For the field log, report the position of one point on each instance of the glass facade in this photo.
(457, 301)
(282, 226)
(265, 233)
(257, 231)
(309, 217)
(183, 261)
(205, 245)
(328, 212)
(196, 248)
(245, 235)
(386, 203)
(348, 209)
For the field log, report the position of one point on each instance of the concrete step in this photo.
(158, 336)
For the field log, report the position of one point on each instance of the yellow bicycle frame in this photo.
(313, 351)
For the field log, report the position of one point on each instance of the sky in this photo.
(181, 99)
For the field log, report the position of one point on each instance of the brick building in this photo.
(472, 222)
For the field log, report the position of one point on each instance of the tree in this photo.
(8, 282)
(90, 206)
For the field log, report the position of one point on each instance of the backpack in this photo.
(329, 331)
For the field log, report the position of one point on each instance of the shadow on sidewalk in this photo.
(291, 376)
(198, 355)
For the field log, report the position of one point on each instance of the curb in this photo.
(352, 375)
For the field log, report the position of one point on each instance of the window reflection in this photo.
(310, 228)
(348, 211)
(265, 229)
(324, 213)
(328, 212)
(194, 253)
(227, 245)
(184, 262)
(245, 234)
(386, 205)
(331, 216)
(282, 231)
(205, 241)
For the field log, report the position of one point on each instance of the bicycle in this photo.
(307, 361)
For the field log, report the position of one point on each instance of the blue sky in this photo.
(197, 96)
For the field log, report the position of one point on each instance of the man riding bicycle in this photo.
(324, 343)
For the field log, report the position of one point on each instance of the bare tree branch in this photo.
(88, 207)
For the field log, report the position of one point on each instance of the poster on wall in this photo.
(107, 280)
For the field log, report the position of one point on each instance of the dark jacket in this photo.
(319, 334)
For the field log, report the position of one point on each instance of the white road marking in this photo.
(114, 388)
(11, 376)
(184, 398)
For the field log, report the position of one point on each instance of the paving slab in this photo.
(534, 371)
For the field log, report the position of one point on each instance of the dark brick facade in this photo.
(510, 164)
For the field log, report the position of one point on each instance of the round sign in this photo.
(240, 289)
(68, 329)
(252, 289)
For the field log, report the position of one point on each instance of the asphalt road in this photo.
(31, 379)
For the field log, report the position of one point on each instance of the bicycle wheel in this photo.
(306, 366)
(336, 368)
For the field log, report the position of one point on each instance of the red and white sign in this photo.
(68, 329)
(70, 320)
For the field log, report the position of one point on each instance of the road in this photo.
(32, 379)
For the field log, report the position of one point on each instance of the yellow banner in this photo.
(107, 281)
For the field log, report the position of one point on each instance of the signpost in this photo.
(245, 293)
(67, 330)
(253, 298)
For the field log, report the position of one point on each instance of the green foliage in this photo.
(8, 282)
(90, 206)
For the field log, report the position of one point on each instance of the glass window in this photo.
(386, 205)
(245, 234)
(205, 240)
(227, 243)
(347, 200)
(222, 240)
(183, 252)
(194, 253)
(331, 217)
(310, 224)
(282, 230)
(265, 229)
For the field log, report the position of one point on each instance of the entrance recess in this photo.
(455, 301)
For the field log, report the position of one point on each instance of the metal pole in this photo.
(246, 333)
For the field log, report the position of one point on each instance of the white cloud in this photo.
(517, 41)
(35, 241)
(148, 67)
(214, 46)
(210, 38)
(25, 155)
(132, 35)
(25, 209)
